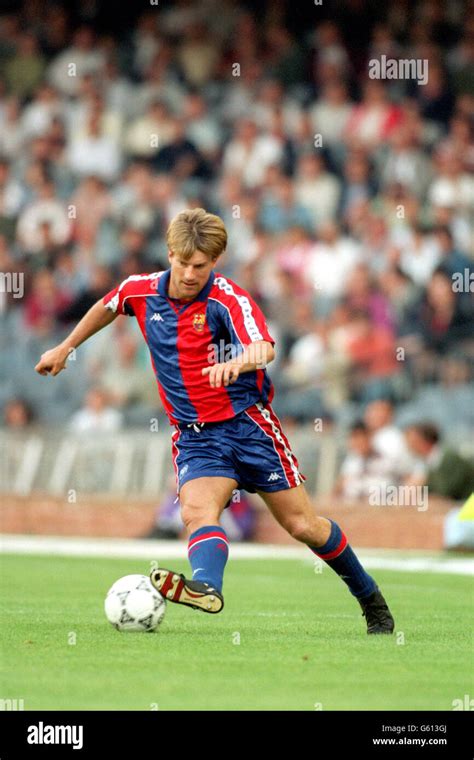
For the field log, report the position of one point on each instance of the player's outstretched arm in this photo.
(54, 360)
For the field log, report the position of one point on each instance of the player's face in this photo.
(189, 277)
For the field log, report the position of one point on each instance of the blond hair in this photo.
(196, 230)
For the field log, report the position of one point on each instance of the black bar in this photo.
(151, 734)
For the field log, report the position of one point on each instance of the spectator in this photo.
(96, 416)
(402, 295)
(332, 263)
(39, 113)
(405, 163)
(18, 414)
(316, 189)
(149, 133)
(358, 185)
(280, 210)
(451, 260)
(202, 130)
(44, 224)
(124, 380)
(362, 293)
(11, 132)
(452, 185)
(249, 154)
(197, 54)
(44, 303)
(284, 57)
(180, 156)
(95, 153)
(24, 71)
(99, 283)
(364, 468)
(82, 57)
(371, 350)
(420, 256)
(387, 439)
(12, 196)
(92, 204)
(435, 97)
(445, 472)
(374, 120)
(442, 319)
(273, 99)
(330, 113)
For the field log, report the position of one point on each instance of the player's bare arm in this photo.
(254, 356)
(54, 360)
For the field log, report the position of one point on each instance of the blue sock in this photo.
(339, 555)
(208, 550)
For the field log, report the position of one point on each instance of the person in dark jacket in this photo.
(446, 473)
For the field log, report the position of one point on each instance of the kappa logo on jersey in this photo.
(273, 476)
(199, 321)
(156, 317)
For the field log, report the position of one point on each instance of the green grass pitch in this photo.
(287, 639)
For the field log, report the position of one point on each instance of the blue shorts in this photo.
(251, 448)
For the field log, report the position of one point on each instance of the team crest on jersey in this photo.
(199, 321)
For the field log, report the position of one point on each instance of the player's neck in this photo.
(175, 296)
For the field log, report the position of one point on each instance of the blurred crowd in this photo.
(380, 457)
(349, 201)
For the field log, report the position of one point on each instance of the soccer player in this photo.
(209, 346)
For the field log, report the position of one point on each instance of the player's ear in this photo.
(170, 256)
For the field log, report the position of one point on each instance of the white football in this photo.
(133, 604)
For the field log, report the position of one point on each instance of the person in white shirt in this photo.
(249, 154)
(419, 256)
(364, 469)
(332, 261)
(95, 153)
(452, 186)
(82, 57)
(45, 218)
(96, 416)
(317, 189)
(330, 113)
(388, 440)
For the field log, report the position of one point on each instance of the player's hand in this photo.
(53, 361)
(225, 373)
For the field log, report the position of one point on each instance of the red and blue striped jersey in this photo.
(184, 337)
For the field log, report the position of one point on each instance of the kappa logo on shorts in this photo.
(183, 470)
(274, 476)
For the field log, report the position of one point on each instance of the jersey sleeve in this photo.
(242, 316)
(115, 299)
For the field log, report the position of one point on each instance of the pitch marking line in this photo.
(117, 548)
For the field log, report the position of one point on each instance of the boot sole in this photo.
(173, 588)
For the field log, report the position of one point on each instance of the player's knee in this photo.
(298, 527)
(195, 516)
